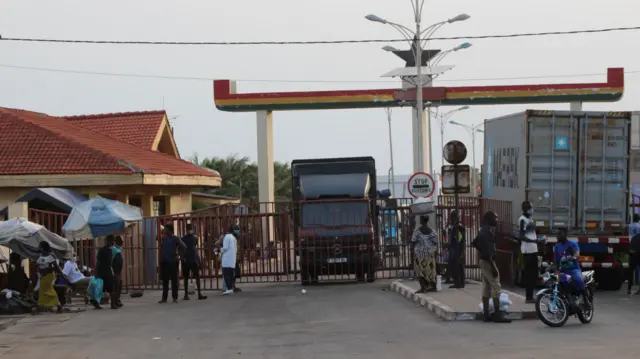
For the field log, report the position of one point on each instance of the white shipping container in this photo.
(572, 166)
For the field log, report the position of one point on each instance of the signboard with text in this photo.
(421, 185)
(449, 183)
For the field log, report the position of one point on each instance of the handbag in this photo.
(95, 289)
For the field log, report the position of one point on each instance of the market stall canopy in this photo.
(49, 199)
(100, 217)
(24, 237)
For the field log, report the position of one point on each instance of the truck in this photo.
(335, 218)
(574, 169)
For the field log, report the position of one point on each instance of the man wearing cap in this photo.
(169, 263)
(190, 262)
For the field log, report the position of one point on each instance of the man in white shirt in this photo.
(229, 254)
(77, 280)
(529, 249)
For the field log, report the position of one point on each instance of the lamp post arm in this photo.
(406, 33)
(432, 29)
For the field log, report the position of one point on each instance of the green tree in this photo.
(240, 177)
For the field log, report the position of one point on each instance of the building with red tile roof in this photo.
(147, 129)
(92, 156)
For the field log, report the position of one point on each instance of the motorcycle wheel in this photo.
(562, 310)
(586, 317)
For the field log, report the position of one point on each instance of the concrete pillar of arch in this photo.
(264, 121)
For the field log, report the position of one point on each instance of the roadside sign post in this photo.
(455, 152)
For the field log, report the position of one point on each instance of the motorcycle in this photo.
(561, 298)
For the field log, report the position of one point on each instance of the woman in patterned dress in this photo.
(424, 241)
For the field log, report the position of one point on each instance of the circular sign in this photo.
(455, 152)
(421, 185)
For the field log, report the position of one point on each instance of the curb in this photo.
(447, 313)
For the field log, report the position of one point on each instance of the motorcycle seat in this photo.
(587, 276)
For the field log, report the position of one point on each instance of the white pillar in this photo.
(264, 121)
(575, 106)
(421, 136)
(421, 131)
(18, 210)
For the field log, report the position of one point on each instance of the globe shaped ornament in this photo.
(455, 152)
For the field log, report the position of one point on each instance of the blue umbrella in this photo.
(100, 217)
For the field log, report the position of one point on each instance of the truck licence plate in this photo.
(337, 260)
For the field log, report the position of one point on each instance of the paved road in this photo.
(340, 321)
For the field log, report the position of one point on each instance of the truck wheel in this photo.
(371, 277)
(609, 279)
(307, 275)
(304, 275)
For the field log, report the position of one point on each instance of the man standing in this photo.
(104, 271)
(486, 246)
(229, 253)
(169, 263)
(456, 236)
(529, 249)
(190, 262)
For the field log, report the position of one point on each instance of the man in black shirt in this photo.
(457, 246)
(169, 263)
(191, 262)
(104, 271)
(485, 243)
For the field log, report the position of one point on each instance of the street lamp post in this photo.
(416, 38)
(392, 175)
(472, 132)
(443, 119)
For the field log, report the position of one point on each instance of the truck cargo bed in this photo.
(572, 166)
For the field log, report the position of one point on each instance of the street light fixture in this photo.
(472, 132)
(416, 38)
(375, 18)
(389, 48)
(461, 17)
(436, 60)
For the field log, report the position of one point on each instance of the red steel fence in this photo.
(291, 242)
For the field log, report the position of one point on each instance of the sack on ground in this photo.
(504, 304)
(96, 286)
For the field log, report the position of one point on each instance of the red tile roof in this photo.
(138, 128)
(35, 143)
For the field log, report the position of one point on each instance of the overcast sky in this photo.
(200, 128)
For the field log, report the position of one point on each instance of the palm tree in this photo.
(240, 177)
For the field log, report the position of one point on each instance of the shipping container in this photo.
(572, 166)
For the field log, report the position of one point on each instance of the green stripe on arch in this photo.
(607, 97)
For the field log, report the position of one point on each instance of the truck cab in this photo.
(335, 218)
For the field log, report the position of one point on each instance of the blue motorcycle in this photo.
(561, 298)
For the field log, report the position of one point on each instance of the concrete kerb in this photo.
(447, 313)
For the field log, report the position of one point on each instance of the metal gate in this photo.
(267, 246)
(471, 211)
